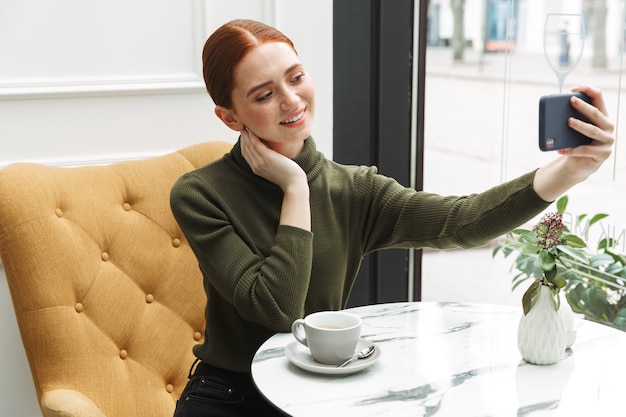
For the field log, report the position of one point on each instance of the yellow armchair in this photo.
(107, 293)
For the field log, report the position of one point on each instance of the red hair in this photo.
(226, 47)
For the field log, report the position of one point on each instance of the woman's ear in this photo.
(228, 117)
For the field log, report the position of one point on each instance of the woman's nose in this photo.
(289, 100)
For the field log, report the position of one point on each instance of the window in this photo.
(481, 118)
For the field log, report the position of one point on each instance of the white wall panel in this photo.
(74, 47)
(62, 131)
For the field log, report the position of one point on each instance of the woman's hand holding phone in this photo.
(577, 164)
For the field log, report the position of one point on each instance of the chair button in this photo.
(149, 298)
(126, 206)
(169, 388)
(197, 336)
(176, 243)
(105, 256)
(58, 212)
(123, 354)
(79, 307)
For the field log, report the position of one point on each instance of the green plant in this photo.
(593, 283)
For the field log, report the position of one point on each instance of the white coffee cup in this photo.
(331, 336)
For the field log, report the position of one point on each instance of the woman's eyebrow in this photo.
(266, 83)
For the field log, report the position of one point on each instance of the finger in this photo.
(248, 150)
(598, 122)
(245, 140)
(596, 97)
(252, 139)
(598, 135)
(590, 152)
(593, 113)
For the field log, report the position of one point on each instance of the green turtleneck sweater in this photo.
(260, 276)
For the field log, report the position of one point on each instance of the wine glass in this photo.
(563, 43)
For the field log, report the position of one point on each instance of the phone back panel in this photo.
(554, 133)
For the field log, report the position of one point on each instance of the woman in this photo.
(280, 231)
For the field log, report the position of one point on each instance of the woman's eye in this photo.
(264, 97)
(297, 78)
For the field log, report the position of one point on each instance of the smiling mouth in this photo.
(294, 118)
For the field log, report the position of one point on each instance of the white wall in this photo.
(97, 82)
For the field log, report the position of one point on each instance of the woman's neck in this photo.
(290, 150)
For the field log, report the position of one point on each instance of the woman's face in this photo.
(273, 97)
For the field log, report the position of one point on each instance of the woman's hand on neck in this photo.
(281, 170)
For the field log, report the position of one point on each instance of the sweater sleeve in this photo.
(403, 217)
(267, 289)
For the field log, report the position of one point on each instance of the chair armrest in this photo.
(68, 403)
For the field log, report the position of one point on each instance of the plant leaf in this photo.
(605, 243)
(551, 274)
(528, 299)
(561, 204)
(573, 253)
(597, 218)
(574, 241)
(524, 236)
(620, 318)
(566, 262)
(547, 261)
(601, 260)
(595, 299)
(614, 269)
(554, 296)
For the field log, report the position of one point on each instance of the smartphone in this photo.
(554, 133)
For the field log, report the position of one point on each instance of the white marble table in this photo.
(452, 360)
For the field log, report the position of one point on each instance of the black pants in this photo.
(216, 392)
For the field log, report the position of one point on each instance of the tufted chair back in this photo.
(107, 293)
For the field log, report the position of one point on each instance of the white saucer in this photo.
(300, 356)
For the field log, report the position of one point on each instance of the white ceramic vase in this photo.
(542, 333)
(567, 314)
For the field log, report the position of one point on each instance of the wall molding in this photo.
(270, 13)
(42, 89)
(141, 84)
(73, 162)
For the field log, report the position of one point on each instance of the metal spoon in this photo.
(366, 352)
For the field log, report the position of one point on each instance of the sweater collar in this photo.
(306, 160)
